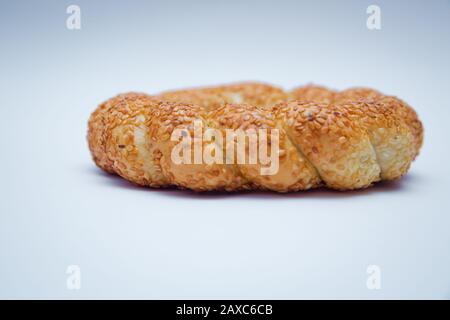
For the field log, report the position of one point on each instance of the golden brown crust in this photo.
(335, 144)
(389, 135)
(257, 94)
(409, 116)
(294, 173)
(101, 121)
(402, 109)
(313, 93)
(345, 140)
(359, 93)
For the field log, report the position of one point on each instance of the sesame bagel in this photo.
(342, 140)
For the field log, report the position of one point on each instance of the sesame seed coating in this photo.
(294, 173)
(313, 93)
(402, 109)
(258, 94)
(338, 147)
(344, 140)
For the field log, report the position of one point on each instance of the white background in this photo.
(57, 209)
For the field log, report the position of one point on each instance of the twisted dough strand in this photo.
(345, 140)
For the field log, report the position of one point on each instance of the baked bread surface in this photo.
(342, 140)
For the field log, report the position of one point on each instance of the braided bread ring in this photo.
(346, 140)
